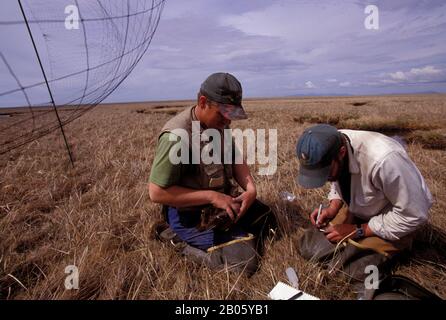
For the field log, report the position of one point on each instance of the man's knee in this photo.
(313, 245)
(240, 256)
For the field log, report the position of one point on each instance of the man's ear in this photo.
(202, 102)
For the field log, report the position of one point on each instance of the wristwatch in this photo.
(359, 231)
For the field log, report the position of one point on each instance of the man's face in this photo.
(337, 165)
(335, 170)
(212, 117)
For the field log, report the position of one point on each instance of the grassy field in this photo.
(98, 215)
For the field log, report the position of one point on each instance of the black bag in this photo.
(396, 287)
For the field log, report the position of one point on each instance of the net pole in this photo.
(46, 81)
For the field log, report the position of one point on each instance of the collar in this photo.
(353, 165)
(195, 118)
(193, 115)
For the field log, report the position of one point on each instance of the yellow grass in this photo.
(98, 215)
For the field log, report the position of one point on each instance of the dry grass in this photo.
(97, 216)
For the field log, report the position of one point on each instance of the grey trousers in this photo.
(314, 246)
(238, 257)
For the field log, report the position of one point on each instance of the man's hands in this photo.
(327, 214)
(225, 202)
(245, 180)
(235, 207)
(334, 233)
(340, 231)
(246, 199)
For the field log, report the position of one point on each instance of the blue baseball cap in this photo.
(316, 149)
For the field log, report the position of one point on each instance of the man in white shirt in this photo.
(387, 198)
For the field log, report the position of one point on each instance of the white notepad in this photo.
(283, 291)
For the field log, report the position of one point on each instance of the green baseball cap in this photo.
(226, 91)
(316, 148)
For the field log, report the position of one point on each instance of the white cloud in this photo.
(331, 80)
(427, 70)
(399, 75)
(309, 85)
(425, 74)
(164, 48)
(389, 81)
(345, 84)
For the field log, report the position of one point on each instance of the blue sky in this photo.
(284, 47)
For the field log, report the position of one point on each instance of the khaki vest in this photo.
(200, 176)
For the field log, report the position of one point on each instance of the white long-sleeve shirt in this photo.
(387, 189)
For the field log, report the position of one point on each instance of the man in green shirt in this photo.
(164, 173)
(187, 189)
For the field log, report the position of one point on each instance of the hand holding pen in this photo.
(321, 216)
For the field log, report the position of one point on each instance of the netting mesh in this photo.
(84, 60)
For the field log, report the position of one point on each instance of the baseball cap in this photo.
(316, 148)
(226, 91)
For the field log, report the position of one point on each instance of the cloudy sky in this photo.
(289, 47)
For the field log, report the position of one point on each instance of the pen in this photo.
(297, 295)
(318, 214)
